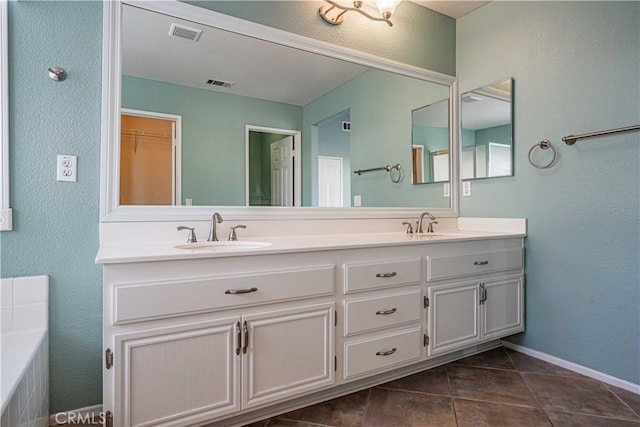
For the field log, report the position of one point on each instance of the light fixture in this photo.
(334, 14)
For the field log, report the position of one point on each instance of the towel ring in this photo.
(398, 174)
(544, 144)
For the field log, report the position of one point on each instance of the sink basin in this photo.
(229, 246)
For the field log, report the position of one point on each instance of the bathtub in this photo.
(24, 352)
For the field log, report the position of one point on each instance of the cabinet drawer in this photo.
(147, 301)
(367, 314)
(382, 353)
(469, 264)
(362, 277)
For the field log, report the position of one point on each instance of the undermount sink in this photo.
(228, 246)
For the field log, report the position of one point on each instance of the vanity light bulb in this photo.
(387, 7)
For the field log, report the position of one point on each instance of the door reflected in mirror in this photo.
(430, 138)
(221, 83)
(487, 131)
(271, 165)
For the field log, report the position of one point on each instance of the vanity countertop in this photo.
(115, 253)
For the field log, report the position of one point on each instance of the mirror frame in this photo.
(111, 211)
(5, 210)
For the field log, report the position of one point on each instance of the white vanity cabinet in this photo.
(231, 339)
(383, 314)
(475, 294)
(182, 351)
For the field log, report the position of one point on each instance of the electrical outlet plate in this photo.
(67, 169)
(357, 201)
(466, 188)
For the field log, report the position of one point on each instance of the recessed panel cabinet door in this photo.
(453, 317)
(289, 353)
(176, 375)
(502, 314)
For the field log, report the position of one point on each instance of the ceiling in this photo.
(454, 9)
(255, 68)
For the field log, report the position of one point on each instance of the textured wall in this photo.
(576, 68)
(56, 223)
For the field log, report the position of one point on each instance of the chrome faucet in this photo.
(213, 235)
(432, 220)
(232, 234)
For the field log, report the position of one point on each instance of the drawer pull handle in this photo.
(385, 312)
(386, 353)
(387, 274)
(240, 291)
(481, 263)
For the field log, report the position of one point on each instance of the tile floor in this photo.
(497, 388)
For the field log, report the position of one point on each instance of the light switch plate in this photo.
(447, 189)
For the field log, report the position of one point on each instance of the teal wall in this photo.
(213, 133)
(56, 224)
(576, 66)
(380, 105)
(498, 134)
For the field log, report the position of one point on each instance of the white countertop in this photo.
(114, 253)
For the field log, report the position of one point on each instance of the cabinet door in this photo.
(289, 353)
(453, 317)
(176, 376)
(503, 307)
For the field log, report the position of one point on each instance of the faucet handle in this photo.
(232, 234)
(409, 227)
(430, 226)
(192, 233)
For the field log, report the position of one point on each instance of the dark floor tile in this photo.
(347, 411)
(281, 422)
(525, 363)
(631, 399)
(496, 358)
(579, 395)
(474, 413)
(395, 408)
(433, 381)
(489, 384)
(563, 419)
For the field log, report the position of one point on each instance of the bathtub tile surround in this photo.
(24, 351)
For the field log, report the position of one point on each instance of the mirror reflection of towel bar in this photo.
(387, 168)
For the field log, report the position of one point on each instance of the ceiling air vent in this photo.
(220, 83)
(185, 32)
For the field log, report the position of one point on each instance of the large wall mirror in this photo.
(206, 111)
(486, 116)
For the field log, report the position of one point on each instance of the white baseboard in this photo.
(587, 372)
(91, 414)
